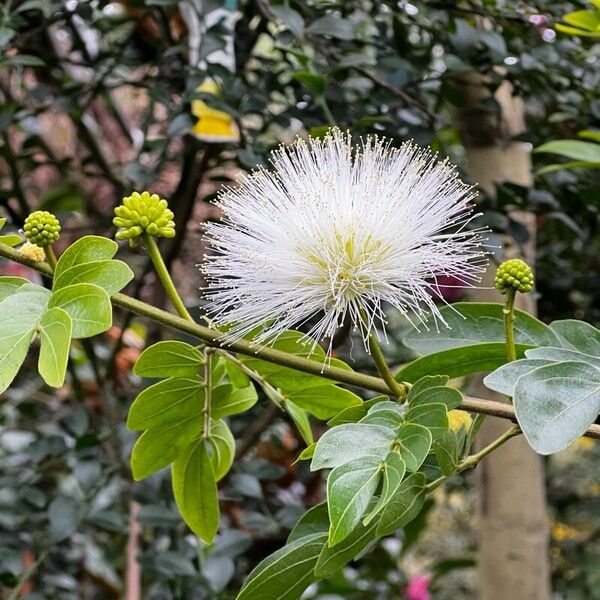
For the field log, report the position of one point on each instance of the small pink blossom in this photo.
(418, 588)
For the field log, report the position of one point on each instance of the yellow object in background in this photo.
(458, 419)
(213, 125)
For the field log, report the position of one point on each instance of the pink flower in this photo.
(450, 288)
(418, 588)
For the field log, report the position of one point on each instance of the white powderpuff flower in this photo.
(336, 231)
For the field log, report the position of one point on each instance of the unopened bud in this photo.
(515, 274)
(143, 213)
(41, 228)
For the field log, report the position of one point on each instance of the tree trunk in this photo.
(513, 523)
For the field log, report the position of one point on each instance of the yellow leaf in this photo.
(213, 125)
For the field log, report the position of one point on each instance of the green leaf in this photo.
(444, 395)
(317, 395)
(576, 31)
(445, 448)
(350, 488)
(218, 369)
(169, 359)
(386, 417)
(15, 345)
(333, 26)
(301, 421)
(352, 414)
(476, 323)
(424, 383)
(325, 401)
(432, 416)
(307, 453)
(561, 355)
(55, 334)
(585, 19)
(344, 443)
(578, 335)
(221, 444)
(226, 400)
(458, 362)
(167, 401)
(88, 306)
(405, 505)
(195, 491)
(333, 558)
(394, 469)
(414, 442)
(110, 275)
(236, 376)
(19, 315)
(84, 250)
(158, 447)
(285, 574)
(575, 164)
(574, 149)
(25, 60)
(556, 403)
(504, 379)
(589, 134)
(314, 520)
(293, 19)
(11, 239)
(9, 285)
(313, 81)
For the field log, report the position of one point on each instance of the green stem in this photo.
(508, 313)
(272, 393)
(165, 278)
(327, 111)
(208, 354)
(472, 461)
(50, 257)
(397, 389)
(214, 337)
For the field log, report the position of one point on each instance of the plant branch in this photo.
(472, 461)
(215, 338)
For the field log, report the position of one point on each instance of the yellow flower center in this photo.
(344, 262)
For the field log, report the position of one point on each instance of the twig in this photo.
(472, 461)
(15, 593)
(133, 573)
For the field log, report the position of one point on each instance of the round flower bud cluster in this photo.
(143, 213)
(32, 252)
(515, 274)
(41, 228)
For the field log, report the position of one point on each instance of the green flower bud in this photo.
(515, 274)
(143, 213)
(41, 228)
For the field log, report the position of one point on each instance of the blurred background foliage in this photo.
(100, 98)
